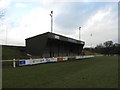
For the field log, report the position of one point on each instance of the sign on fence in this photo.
(36, 61)
(65, 58)
(82, 57)
(53, 59)
(46, 60)
(32, 61)
(22, 62)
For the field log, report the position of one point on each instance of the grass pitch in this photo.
(97, 72)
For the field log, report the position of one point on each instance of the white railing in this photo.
(23, 62)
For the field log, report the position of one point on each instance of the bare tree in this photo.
(108, 44)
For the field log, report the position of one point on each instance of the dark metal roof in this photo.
(58, 37)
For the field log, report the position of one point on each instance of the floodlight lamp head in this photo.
(79, 28)
(51, 12)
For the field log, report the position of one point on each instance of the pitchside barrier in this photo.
(43, 60)
(82, 57)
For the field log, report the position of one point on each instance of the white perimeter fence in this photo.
(23, 62)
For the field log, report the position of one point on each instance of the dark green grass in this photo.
(11, 52)
(98, 72)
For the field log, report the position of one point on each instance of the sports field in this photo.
(97, 72)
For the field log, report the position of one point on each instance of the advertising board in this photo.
(65, 58)
(53, 59)
(59, 59)
(21, 62)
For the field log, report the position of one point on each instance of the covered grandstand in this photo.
(53, 45)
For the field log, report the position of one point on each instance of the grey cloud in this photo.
(75, 14)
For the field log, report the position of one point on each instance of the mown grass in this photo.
(97, 72)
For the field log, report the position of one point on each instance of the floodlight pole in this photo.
(91, 39)
(6, 35)
(51, 14)
(79, 32)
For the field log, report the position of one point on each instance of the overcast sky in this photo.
(27, 18)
